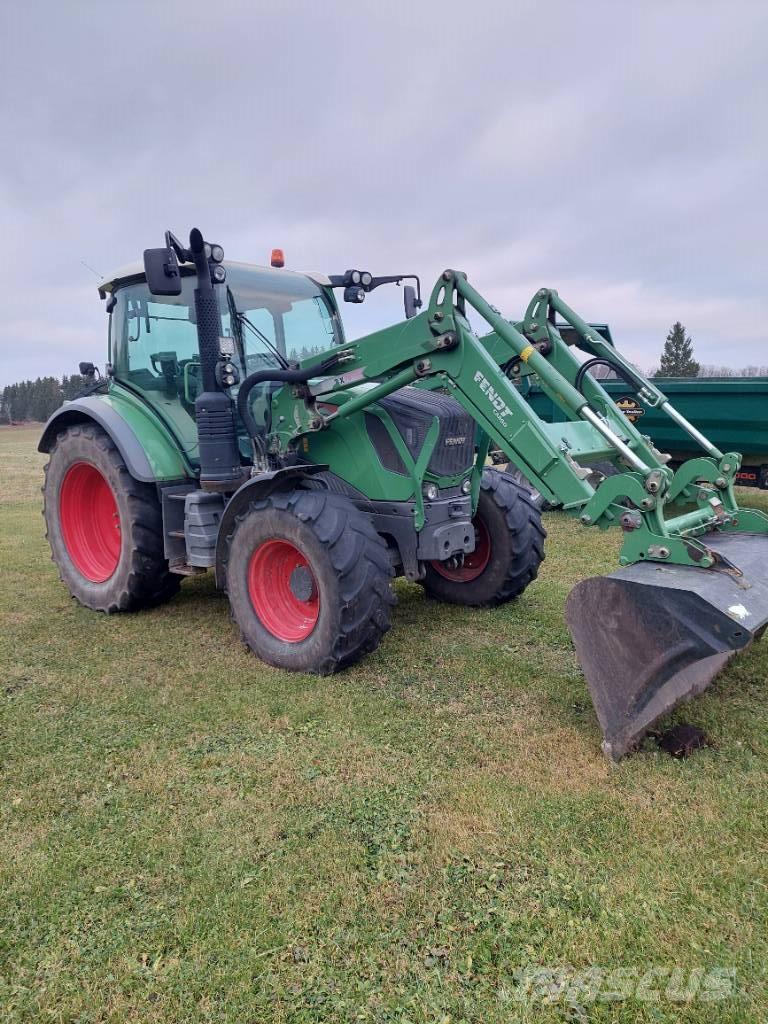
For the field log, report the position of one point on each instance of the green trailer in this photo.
(731, 411)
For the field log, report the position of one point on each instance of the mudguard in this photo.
(155, 457)
(257, 487)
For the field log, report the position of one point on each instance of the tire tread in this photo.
(360, 559)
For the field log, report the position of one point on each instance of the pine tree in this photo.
(677, 358)
(5, 408)
(72, 386)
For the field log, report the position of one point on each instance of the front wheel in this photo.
(509, 548)
(309, 581)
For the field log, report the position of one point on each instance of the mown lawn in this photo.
(187, 835)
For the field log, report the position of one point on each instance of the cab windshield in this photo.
(277, 317)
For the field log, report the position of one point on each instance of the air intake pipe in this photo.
(220, 468)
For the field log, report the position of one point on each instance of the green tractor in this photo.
(237, 430)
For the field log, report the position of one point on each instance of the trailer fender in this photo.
(103, 413)
(257, 487)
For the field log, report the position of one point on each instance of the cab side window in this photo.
(154, 340)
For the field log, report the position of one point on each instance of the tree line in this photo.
(37, 399)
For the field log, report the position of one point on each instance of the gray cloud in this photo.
(615, 152)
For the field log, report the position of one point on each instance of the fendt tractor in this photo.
(235, 429)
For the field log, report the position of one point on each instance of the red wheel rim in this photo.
(283, 590)
(474, 564)
(90, 522)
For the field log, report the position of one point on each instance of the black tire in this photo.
(346, 575)
(520, 478)
(140, 578)
(511, 522)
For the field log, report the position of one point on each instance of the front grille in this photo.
(412, 411)
(384, 445)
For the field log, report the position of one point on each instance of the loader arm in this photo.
(693, 591)
(439, 347)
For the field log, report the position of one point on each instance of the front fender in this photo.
(149, 451)
(257, 487)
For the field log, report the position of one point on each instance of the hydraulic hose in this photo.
(600, 361)
(278, 376)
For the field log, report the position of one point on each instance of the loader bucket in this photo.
(651, 636)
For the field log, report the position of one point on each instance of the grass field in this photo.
(187, 835)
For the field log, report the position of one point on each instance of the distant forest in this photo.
(37, 399)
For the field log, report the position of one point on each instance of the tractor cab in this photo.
(272, 317)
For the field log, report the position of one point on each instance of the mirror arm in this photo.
(172, 242)
(343, 281)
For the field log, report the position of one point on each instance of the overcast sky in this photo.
(615, 151)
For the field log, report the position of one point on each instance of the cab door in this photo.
(154, 350)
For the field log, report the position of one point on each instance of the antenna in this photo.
(89, 267)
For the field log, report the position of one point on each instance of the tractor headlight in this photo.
(355, 277)
(365, 279)
(466, 486)
(217, 253)
(219, 273)
(431, 492)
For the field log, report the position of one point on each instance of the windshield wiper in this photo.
(237, 331)
(262, 337)
(240, 319)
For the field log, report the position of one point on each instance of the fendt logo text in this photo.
(500, 407)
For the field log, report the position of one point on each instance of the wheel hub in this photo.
(302, 583)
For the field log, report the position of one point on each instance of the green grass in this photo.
(187, 835)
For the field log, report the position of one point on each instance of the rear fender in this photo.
(257, 487)
(149, 452)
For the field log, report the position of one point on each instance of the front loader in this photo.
(238, 430)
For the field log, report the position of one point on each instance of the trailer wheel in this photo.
(309, 581)
(509, 548)
(105, 529)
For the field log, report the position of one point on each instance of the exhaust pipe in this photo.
(651, 636)
(220, 468)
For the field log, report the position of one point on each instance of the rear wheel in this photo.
(105, 528)
(509, 547)
(309, 581)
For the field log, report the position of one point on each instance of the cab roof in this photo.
(135, 272)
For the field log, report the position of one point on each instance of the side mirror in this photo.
(411, 303)
(162, 270)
